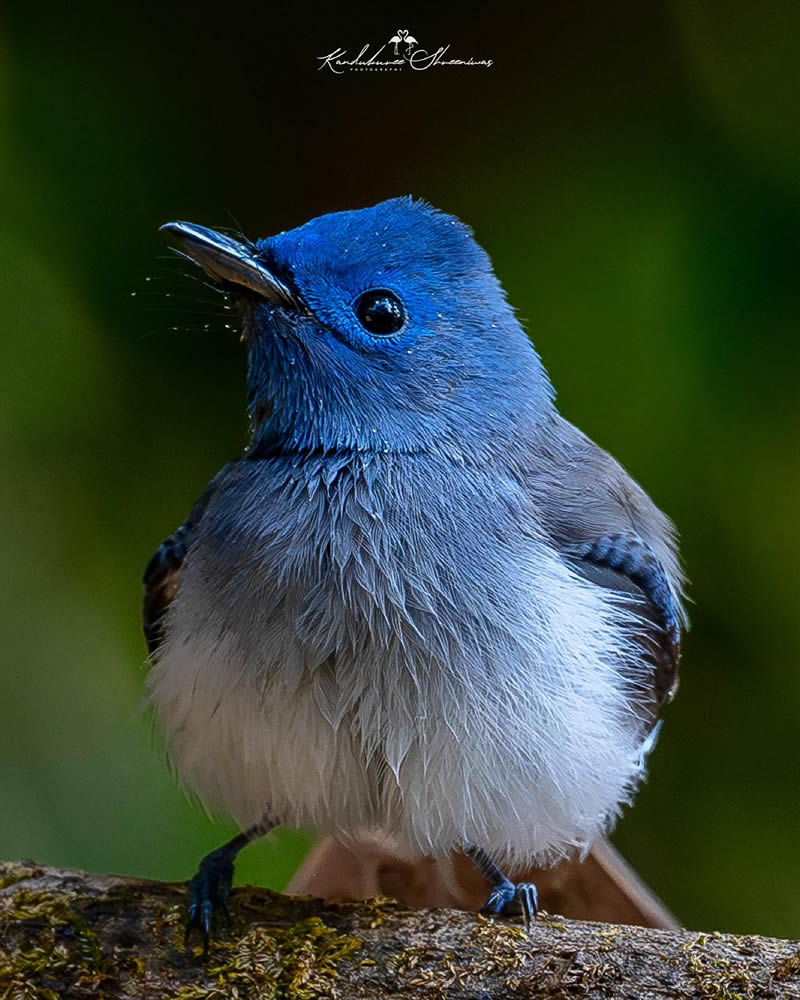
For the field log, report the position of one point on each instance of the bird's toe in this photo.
(209, 891)
(509, 898)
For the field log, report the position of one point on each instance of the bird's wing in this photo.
(602, 887)
(612, 533)
(162, 576)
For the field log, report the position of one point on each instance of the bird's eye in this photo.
(380, 312)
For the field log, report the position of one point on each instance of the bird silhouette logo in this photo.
(402, 37)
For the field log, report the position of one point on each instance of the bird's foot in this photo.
(208, 893)
(508, 897)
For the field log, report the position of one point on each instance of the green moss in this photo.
(495, 951)
(270, 963)
(12, 872)
(49, 951)
(52, 946)
(172, 919)
(715, 978)
(428, 968)
(376, 908)
(31, 905)
(787, 967)
(499, 947)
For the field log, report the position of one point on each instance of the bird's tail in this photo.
(603, 887)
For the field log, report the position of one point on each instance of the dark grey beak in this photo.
(223, 259)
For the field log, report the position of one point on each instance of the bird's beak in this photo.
(224, 259)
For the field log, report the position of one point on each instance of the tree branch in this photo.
(73, 935)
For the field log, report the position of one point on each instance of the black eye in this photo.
(380, 312)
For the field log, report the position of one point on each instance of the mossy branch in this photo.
(67, 934)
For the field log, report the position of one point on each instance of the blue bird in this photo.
(421, 602)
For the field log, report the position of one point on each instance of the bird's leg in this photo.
(506, 896)
(210, 887)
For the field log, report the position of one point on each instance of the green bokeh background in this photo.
(634, 171)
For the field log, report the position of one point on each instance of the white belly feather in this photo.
(331, 689)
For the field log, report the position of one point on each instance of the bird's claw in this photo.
(508, 898)
(209, 891)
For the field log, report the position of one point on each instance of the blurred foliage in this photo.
(632, 169)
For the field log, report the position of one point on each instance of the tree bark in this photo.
(68, 934)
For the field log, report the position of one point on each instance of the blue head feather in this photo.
(460, 376)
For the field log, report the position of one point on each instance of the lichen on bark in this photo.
(66, 934)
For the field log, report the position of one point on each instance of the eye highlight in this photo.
(380, 312)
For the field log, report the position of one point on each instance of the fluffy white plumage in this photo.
(335, 657)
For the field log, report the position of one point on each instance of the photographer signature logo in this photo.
(402, 51)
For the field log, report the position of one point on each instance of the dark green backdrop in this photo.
(633, 169)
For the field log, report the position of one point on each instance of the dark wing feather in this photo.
(161, 581)
(162, 577)
(613, 534)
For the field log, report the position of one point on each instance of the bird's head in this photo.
(382, 329)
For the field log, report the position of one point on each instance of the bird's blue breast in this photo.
(368, 548)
